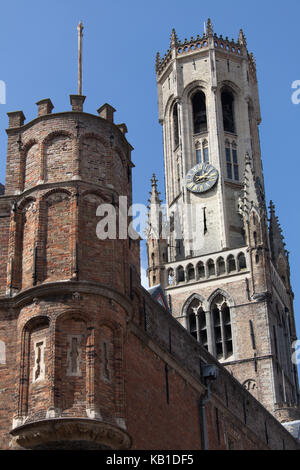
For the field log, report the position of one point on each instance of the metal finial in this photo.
(80, 35)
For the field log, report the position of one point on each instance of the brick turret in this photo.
(70, 290)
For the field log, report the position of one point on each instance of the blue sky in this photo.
(38, 51)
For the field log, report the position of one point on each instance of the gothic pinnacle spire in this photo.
(209, 28)
(154, 194)
(275, 232)
(242, 38)
(80, 35)
(154, 180)
(157, 61)
(173, 38)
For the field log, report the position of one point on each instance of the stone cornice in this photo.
(46, 433)
(26, 297)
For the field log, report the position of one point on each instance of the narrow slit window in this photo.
(175, 125)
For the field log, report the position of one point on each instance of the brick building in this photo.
(88, 358)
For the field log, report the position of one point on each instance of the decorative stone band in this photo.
(70, 433)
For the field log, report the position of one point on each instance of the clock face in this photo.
(201, 178)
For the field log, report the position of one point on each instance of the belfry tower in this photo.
(227, 273)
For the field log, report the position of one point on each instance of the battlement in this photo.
(45, 107)
(209, 40)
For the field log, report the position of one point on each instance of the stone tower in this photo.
(64, 294)
(227, 273)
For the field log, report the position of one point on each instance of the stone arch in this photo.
(200, 270)
(211, 267)
(30, 164)
(171, 278)
(168, 106)
(229, 94)
(36, 322)
(73, 330)
(174, 118)
(196, 319)
(57, 156)
(199, 109)
(222, 292)
(221, 266)
(25, 202)
(55, 234)
(93, 135)
(35, 364)
(231, 86)
(180, 274)
(241, 261)
(119, 178)
(93, 151)
(201, 85)
(89, 245)
(191, 298)
(26, 222)
(46, 195)
(190, 272)
(97, 193)
(231, 264)
(111, 370)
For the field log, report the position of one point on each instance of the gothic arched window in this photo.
(180, 274)
(190, 272)
(231, 264)
(175, 125)
(199, 112)
(197, 322)
(221, 266)
(242, 261)
(222, 328)
(200, 270)
(170, 277)
(192, 324)
(211, 267)
(228, 111)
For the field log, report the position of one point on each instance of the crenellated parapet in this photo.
(201, 44)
